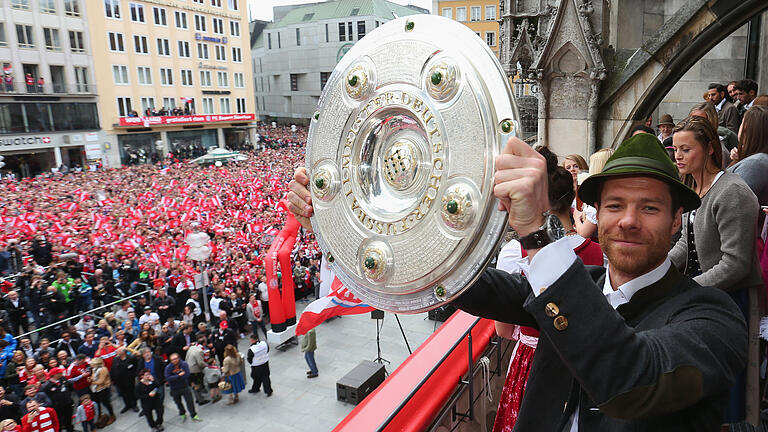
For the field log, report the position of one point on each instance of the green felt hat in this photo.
(640, 155)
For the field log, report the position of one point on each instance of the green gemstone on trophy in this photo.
(330, 258)
(409, 25)
(506, 126)
(317, 115)
(352, 80)
(436, 77)
(452, 206)
(319, 182)
(370, 263)
(440, 291)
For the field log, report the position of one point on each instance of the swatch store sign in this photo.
(12, 143)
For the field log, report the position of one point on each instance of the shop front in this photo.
(28, 163)
(30, 155)
(190, 144)
(141, 148)
(237, 139)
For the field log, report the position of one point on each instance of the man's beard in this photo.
(638, 261)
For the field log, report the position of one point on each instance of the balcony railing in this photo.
(21, 87)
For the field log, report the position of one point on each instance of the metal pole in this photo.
(470, 377)
(206, 305)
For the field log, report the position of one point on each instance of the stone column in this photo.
(166, 143)
(57, 155)
(220, 137)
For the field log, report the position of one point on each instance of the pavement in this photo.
(299, 404)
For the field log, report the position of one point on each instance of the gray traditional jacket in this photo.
(664, 361)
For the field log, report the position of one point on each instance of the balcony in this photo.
(21, 88)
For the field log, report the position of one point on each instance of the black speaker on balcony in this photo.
(360, 382)
(377, 314)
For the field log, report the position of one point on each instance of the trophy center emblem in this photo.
(400, 165)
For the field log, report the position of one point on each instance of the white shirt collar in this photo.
(623, 294)
(749, 105)
(720, 105)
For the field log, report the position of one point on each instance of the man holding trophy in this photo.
(636, 347)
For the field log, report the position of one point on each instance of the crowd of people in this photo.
(115, 240)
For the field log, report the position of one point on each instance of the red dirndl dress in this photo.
(522, 357)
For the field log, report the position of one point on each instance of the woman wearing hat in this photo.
(717, 247)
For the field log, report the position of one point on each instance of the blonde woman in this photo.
(585, 221)
(230, 369)
(100, 387)
(574, 164)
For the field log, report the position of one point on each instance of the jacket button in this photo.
(561, 323)
(551, 310)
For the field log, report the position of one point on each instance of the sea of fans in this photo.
(81, 241)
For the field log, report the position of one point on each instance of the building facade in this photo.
(482, 16)
(176, 76)
(48, 102)
(294, 56)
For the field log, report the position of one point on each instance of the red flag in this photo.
(340, 301)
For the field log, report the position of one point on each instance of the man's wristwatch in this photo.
(551, 231)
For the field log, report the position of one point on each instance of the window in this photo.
(294, 82)
(490, 38)
(223, 79)
(237, 55)
(200, 23)
(202, 51)
(474, 13)
(298, 36)
(233, 5)
(207, 105)
(349, 32)
(112, 8)
(137, 12)
(20, 4)
(169, 102)
(461, 14)
(163, 47)
(183, 49)
(239, 81)
(3, 40)
(234, 28)
(145, 75)
(448, 13)
(124, 106)
(216, 3)
(360, 29)
(52, 42)
(76, 42)
(490, 13)
(241, 107)
(269, 40)
(147, 103)
(72, 7)
(181, 20)
(81, 79)
(140, 44)
(221, 52)
(166, 76)
(279, 45)
(160, 18)
(224, 105)
(199, 1)
(326, 34)
(205, 78)
(218, 25)
(48, 6)
(186, 77)
(120, 73)
(24, 35)
(324, 79)
(116, 42)
(342, 32)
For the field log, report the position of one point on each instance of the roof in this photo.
(342, 9)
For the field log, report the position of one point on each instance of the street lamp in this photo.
(199, 252)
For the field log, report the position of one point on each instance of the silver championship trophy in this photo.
(400, 158)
